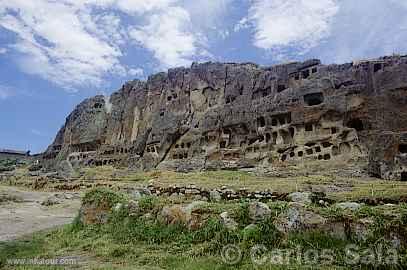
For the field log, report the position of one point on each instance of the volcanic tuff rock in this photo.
(229, 116)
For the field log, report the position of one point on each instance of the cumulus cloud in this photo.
(76, 43)
(359, 32)
(3, 50)
(295, 24)
(60, 42)
(168, 36)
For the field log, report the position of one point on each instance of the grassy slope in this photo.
(135, 243)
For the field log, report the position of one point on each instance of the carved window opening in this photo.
(188, 145)
(261, 122)
(355, 123)
(320, 157)
(377, 67)
(283, 158)
(98, 106)
(309, 127)
(169, 98)
(334, 130)
(305, 74)
(182, 145)
(327, 157)
(326, 144)
(403, 148)
(309, 152)
(274, 122)
(403, 176)
(241, 90)
(314, 70)
(287, 139)
(314, 99)
(292, 154)
(281, 88)
(268, 137)
(292, 132)
(275, 135)
(297, 76)
(222, 144)
(317, 149)
(300, 153)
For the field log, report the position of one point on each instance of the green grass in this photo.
(132, 242)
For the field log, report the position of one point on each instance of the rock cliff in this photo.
(229, 116)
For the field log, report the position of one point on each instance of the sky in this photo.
(55, 53)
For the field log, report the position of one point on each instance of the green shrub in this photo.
(103, 196)
(148, 203)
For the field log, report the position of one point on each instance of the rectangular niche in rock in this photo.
(403, 176)
(313, 99)
(403, 148)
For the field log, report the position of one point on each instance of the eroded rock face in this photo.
(228, 116)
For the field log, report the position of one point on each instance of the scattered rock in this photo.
(215, 196)
(52, 200)
(65, 170)
(300, 197)
(353, 206)
(133, 207)
(137, 194)
(298, 218)
(228, 221)
(190, 215)
(259, 211)
(94, 213)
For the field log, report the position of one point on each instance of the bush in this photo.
(103, 196)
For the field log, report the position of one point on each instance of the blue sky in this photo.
(55, 53)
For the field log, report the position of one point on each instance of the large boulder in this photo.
(259, 211)
(65, 170)
(298, 218)
(94, 213)
(300, 197)
(228, 221)
(191, 215)
(353, 206)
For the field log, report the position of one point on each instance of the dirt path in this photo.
(21, 211)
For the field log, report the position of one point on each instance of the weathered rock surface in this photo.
(190, 215)
(300, 197)
(228, 221)
(259, 211)
(298, 218)
(228, 116)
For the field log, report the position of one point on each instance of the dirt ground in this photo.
(22, 212)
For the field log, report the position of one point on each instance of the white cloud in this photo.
(61, 43)
(3, 50)
(143, 6)
(242, 24)
(299, 24)
(168, 36)
(76, 43)
(359, 32)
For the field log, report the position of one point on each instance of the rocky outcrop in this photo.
(229, 116)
